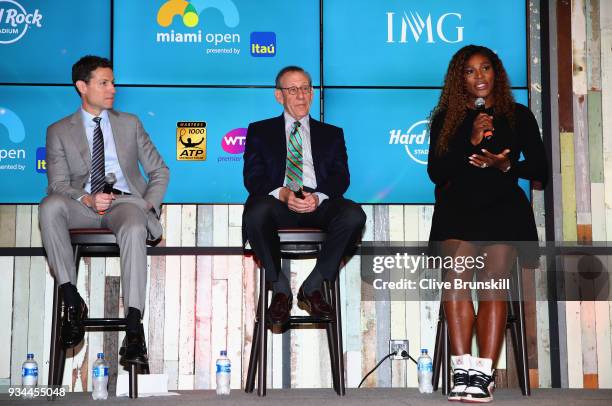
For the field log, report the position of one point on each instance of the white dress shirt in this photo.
(111, 161)
(309, 178)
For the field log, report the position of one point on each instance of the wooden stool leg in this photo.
(437, 360)
(57, 356)
(331, 338)
(336, 303)
(250, 382)
(520, 349)
(263, 334)
(446, 373)
(133, 377)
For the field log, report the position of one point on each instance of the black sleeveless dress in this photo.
(486, 205)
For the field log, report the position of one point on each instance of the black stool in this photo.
(516, 324)
(297, 243)
(87, 242)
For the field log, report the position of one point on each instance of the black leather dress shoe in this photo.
(314, 303)
(280, 308)
(133, 348)
(72, 330)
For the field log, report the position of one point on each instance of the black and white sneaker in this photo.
(461, 380)
(480, 388)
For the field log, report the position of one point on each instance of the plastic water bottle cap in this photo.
(30, 355)
(223, 353)
(423, 350)
(100, 355)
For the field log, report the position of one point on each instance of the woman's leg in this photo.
(492, 304)
(458, 307)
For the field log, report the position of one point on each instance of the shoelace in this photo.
(460, 378)
(481, 381)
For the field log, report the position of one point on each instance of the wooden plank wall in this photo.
(199, 305)
(585, 176)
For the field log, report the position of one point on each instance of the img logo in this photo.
(15, 21)
(415, 141)
(234, 141)
(418, 26)
(263, 44)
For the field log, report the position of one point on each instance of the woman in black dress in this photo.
(477, 153)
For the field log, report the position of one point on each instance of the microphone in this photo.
(296, 189)
(109, 182)
(479, 104)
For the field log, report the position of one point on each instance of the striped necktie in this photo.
(97, 159)
(295, 160)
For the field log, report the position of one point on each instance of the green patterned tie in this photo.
(295, 160)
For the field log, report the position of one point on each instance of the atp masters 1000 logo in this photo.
(191, 141)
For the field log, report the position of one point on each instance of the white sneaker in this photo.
(460, 365)
(481, 384)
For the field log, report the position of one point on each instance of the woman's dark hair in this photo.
(454, 98)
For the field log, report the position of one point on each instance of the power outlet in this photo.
(398, 346)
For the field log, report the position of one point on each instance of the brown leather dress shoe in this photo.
(280, 308)
(72, 330)
(314, 303)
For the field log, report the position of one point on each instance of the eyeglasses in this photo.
(293, 90)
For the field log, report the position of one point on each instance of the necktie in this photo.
(295, 160)
(97, 159)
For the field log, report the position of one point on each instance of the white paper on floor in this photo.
(148, 385)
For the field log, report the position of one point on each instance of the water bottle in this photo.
(224, 373)
(100, 378)
(425, 372)
(29, 375)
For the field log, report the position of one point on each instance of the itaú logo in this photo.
(447, 28)
(415, 141)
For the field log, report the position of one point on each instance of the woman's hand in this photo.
(481, 123)
(489, 160)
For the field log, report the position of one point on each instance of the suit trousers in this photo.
(342, 219)
(126, 219)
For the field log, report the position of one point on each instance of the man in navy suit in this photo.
(296, 171)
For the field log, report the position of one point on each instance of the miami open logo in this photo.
(11, 157)
(415, 141)
(190, 11)
(15, 21)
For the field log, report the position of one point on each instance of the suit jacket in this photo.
(265, 157)
(69, 161)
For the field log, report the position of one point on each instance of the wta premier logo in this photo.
(186, 15)
(15, 21)
(415, 141)
(234, 141)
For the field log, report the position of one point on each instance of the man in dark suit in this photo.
(296, 171)
(81, 149)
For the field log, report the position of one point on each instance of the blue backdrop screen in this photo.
(242, 42)
(213, 63)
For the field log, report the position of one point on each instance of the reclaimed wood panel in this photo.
(6, 313)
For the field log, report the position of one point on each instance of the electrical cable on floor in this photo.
(404, 354)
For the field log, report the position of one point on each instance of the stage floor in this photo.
(321, 397)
